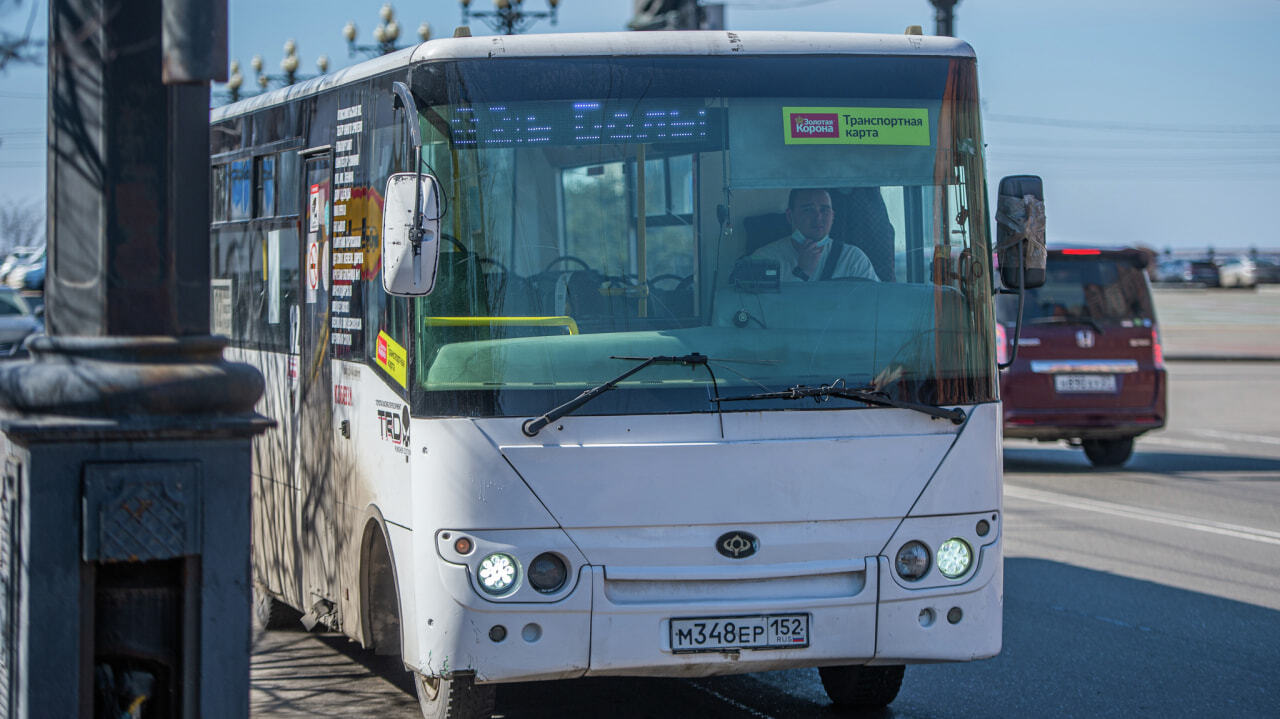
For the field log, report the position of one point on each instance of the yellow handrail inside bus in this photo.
(501, 321)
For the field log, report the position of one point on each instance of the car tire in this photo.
(457, 697)
(862, 689)
(1108, 452)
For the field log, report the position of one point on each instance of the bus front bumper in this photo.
(606, 628)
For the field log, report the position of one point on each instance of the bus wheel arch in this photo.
(379, 590)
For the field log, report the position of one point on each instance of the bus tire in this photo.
(457, 697)
(270, 613)
(1108, 452)
(860, 688)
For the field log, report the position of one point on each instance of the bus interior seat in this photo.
(570, 290)
(671, 296)
(862, 220)
(763, 229)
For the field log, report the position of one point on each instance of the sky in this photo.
(1152, 122)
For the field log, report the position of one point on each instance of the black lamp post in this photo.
(509, 16)
(944, 17)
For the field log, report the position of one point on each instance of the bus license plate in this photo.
(1084, 383)
(762, 631)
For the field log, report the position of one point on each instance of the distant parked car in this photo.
(1236, 271)
(34, 279)
(1089, 367)
(1267, 271)
(17, 322)
(18, 257)
(1205, 272)
(28, 275)
(1174, 271)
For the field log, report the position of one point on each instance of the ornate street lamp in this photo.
(509, 16)
(384, 35)
(289, 65)
(235, 81)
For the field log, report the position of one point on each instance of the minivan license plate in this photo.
(761, 631)
(1084, 383)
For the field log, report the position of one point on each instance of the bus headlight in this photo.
(912, 562)
(498, 573)
(547, 573)
(954, 558)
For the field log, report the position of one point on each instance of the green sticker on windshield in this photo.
(855, 126)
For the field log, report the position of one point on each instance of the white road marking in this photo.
(1183, 443)
(1182, 521)
(1239, 436)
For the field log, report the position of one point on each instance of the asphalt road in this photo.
(1199, 322)
(1151, 591)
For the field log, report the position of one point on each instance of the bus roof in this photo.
(613, 44)
(688, 43)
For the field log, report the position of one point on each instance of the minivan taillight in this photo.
(1002, 344)
(1157, 350)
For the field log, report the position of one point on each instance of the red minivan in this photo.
(1089, 367)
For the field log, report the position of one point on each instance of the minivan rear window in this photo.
(1093, 288)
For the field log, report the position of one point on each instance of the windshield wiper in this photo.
(1073, 319)
(859, 394)
(531, 427)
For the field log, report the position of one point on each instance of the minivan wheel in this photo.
(861, 689)
(1108, 452)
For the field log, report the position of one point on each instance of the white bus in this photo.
(595, 429)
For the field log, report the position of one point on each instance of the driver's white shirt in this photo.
(852, 261)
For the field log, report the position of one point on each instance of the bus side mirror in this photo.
(410, 241)
(1020, 243)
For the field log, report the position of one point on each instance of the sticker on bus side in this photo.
(393, 425)
(855, 126)
(314, 207)
(343, 395)
(392, 358)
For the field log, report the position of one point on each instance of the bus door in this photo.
(318, 505)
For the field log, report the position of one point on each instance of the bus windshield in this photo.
(597, 210)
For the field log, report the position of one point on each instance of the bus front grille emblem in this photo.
(737, 545)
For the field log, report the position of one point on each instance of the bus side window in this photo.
(218, 193)
(240, 178)
(288, 187)
(265, 186)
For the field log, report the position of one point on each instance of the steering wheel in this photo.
(462, 249)
(566, 258)
(499, 268)
(653, 281)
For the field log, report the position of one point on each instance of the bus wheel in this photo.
(862, 688)
(1108, 452)
(454, 698)
(271, 613)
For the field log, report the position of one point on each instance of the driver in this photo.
(809, 253)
